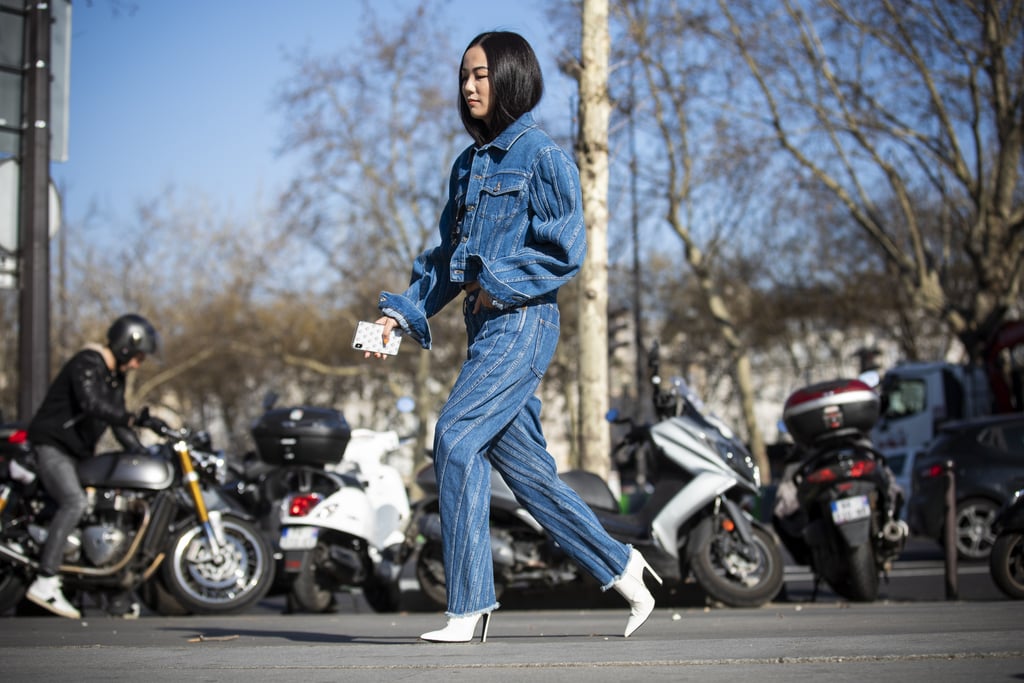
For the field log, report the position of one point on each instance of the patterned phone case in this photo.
(368, 338)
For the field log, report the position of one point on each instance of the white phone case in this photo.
(368, 338)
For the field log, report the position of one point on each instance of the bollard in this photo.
(952, 590)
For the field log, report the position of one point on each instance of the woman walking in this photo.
(511, 234)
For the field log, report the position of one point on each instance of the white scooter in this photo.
(353, 537)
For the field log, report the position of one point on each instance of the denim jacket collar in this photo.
(515, 130)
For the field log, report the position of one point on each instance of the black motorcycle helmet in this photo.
(130, 335)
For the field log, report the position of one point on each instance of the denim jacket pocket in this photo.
(503, 195)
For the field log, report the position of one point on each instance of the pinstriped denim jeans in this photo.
(492, 418)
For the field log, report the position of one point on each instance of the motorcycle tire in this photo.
(13, 586)
(310, 591)
(155, 596)
(860, 581)
(1006, 564)
(727, 576)
(205, 584)
(383, 596)
(430, 574)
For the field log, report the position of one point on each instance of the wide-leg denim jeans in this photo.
(492, 418)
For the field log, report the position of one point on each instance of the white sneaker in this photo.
(46, 592)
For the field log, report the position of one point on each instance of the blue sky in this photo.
(179, 93)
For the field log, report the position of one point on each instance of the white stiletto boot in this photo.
(459, 630)
(631, 586)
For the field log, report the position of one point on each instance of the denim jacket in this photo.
(513, 222)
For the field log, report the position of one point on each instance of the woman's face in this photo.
(476, 86)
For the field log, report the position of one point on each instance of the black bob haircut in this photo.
(515, 78)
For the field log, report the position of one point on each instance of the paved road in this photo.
(912, 633)
(883, 641)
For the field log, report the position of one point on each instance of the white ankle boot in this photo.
(46, 592)
(459, 630)
(631, 586)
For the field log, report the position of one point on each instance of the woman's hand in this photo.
(389, 325)
(483, 300)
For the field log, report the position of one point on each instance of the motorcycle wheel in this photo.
(1006, 564)
(383, 596)
(430, 573)
(860, 582)
(155, 596)
(13, 586)
(728, 576)
(310, 591)
(205, 584)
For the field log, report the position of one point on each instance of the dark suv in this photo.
(988, 463)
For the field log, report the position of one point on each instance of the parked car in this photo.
(988, 463)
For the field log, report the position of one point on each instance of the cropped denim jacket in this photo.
(513, 223)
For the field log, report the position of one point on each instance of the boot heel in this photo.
(487, 625)
(653, 573)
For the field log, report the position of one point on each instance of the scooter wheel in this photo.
(311, 591)
(732, 573)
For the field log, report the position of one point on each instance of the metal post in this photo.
(952, 589)
(34, 328)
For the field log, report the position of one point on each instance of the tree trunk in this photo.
(592, 157)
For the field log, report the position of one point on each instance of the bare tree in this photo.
(377, 127)
(911, 114)
(691, 164)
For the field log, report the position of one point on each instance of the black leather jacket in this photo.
(84, 399)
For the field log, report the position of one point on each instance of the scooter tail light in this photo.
(303, 504)
(20, 436)
(862, 468)
(822, 476)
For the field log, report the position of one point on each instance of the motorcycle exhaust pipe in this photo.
(895, 531)
(9, 553)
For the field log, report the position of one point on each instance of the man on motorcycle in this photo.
(86, 397)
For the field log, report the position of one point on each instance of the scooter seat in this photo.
(591, 489)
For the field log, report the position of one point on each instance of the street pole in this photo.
(33, 214)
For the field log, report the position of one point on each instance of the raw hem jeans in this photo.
(492, 418)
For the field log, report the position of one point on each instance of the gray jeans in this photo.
(59, 473)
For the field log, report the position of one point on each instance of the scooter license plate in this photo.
(847, 510)
(298, 537)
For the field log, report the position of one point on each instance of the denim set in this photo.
(514, 224)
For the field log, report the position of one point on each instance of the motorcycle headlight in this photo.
(213, 465)
(740, 461)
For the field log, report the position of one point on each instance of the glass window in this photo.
(903, 397)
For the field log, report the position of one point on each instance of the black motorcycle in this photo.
(293, 446)
(158, 515)
(837, 507)
(690, 522)
(1006, 562)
